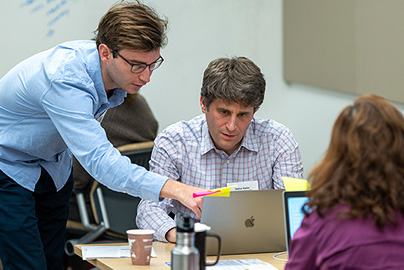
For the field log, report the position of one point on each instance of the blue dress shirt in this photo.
(49, 108)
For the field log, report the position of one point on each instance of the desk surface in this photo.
(163, 251)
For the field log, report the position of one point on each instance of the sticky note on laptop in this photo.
(219, 192)
(295, 184)
(225, 192)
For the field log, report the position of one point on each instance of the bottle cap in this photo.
(200, 227)
(184, 223)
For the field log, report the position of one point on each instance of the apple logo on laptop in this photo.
(249, 222)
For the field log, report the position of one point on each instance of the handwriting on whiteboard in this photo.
(53, 10)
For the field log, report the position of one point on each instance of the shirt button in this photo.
(228, 161)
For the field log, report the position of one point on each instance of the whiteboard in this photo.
(31, 26)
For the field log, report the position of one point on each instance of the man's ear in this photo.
(203, 106)
(105, 53)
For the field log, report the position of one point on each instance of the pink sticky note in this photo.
(204, 193)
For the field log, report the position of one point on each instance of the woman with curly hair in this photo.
(356, 202)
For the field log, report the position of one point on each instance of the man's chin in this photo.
(132, 90)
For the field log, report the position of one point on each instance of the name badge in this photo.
(242, 186)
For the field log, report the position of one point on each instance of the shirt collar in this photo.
(94, 70)
(95, 73)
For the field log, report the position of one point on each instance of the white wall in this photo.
(200, 31)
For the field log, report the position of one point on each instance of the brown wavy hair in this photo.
(236, 79)
(133, 26)
(363, 167)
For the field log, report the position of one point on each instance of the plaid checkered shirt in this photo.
(185, 152)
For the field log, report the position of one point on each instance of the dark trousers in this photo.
(33, 224)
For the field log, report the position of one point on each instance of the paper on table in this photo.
(295, 184)
(246, 264)
(94, 252)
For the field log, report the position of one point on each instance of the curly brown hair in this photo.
(132, 26)
(363, 167)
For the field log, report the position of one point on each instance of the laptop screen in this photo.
(293, 203)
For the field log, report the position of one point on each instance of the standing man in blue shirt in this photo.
(49, 107)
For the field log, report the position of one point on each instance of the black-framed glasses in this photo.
(140, 67)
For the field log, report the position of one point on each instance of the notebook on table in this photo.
(247, 221)
(293, 202)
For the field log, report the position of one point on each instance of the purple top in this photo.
(332, 243)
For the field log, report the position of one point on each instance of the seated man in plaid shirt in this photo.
(224, 146)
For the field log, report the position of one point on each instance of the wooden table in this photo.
(163, 251)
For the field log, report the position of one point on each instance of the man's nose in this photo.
(145, 75)
(232, 123)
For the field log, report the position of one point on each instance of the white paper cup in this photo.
(140, 243)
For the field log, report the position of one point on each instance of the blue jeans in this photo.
(33, 224)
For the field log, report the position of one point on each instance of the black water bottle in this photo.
(185, 256)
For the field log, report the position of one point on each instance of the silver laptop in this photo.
(247, 222)
(293, 202)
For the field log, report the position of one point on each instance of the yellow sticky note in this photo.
(225, 192)
(295, 184)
